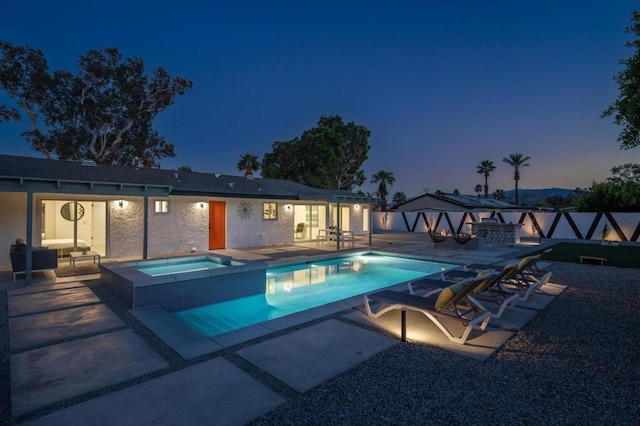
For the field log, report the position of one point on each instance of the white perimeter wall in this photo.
(627, 223)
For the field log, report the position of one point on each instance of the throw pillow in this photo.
(447, 294)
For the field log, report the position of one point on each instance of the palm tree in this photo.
(383, 178)
(516, 161)
(499, 194)
(485, 168)
(478, 189)
(399, 198)
(248, 164)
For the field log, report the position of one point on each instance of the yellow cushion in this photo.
(523, 261)
(447, 294)
(486, 271)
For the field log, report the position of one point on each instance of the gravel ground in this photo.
(576, 362)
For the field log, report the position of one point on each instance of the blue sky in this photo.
(441, 85)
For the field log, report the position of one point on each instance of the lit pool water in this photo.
(177, 268)
(299, 287)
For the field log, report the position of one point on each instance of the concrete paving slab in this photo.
(308, 357)
(43, 376)
(183, 339)
(38, 329)
(45, 287)
(552, 289)
(536, 301)
(242, 335)
(511, 319)
(215, 392)
(480, 345)
(50, 300)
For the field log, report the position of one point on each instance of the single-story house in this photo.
(453, 202)
(128, 212)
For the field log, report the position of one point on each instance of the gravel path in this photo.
(577, 362)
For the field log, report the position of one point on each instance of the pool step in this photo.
(213, 325)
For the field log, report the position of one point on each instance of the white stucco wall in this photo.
(185, 227)
(13, 223)
(254, 231)
(125, 228)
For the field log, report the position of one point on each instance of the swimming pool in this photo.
(295, 288)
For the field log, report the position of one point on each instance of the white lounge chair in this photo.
(449, 302)
(489, 291)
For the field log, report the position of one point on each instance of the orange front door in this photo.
(217, 225)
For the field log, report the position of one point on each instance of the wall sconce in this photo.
(121, 204)
(202, 205)
(356, 206)
(288, 207)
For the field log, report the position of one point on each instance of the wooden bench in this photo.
(593, 258)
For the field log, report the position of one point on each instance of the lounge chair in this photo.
(515, 278)
(533, 268)
(489, 291)
(451, 302)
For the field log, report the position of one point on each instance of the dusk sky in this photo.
(441, 85)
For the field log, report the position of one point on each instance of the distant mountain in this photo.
(530, 197)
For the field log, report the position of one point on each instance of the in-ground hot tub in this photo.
(180, 283)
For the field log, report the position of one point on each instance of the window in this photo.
(161, 206)
(269, 211)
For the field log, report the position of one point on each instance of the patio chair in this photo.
(451, 303)
(300, 230)
(462, 240)
(437, 239)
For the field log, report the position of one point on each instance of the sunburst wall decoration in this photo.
(245, 210)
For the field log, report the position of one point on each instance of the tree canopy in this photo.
(485, 168)
(626, 109)
(618, 193)
(516, 161)
(104, 112)
(248, 164)
(399, 197)
(327, 156)
(384, 179)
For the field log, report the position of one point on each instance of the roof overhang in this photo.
(64, 186)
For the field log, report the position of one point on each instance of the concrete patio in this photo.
(76, 356)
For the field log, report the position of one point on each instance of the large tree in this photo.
(105, 112)
(516, 161)
(248, 164)
(485, 168)
(626, 109)
(384, 179)
(327, 156)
